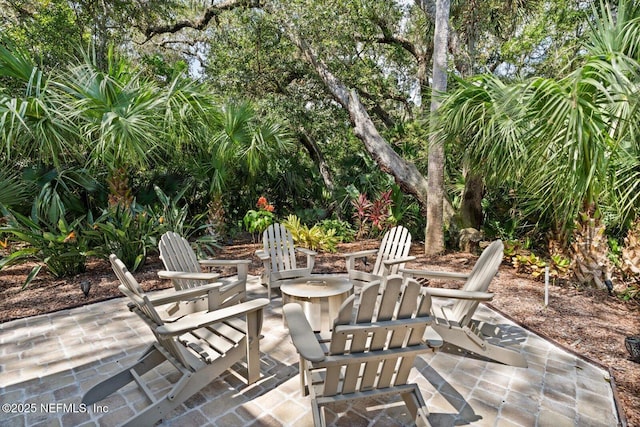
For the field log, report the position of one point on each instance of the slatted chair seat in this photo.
(371, 351)
(279, 257)
(454, 323)
(391, 256)
(201, 345)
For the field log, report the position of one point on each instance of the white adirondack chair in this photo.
(201, 345)
(455, 323)
(370, 352)
(392, 255)
(185, 270)
(279, 257)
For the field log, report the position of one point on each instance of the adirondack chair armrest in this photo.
(184, 294)
(304, 340)
(350, 258)
(164, 274)
(361, 254)
(262, 255)
(311, 256)
(395, 261)
(459, 294)
(194, 321)
(307, 251)
(223, 262)
(241, 265)
(432, 274)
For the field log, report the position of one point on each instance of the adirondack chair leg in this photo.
(189, 384)
(303, 377)
(243, 272)
(254, 325)
(416, 406)
(498, 353)
(149, 360)
(311, 260)
(318, 414)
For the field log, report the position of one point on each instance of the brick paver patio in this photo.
(48, 362)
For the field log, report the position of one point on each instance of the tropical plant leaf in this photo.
(32, 275)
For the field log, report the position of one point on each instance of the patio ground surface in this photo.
(48, 362)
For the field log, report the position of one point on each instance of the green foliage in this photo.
(559, 266)
(170, 216)
(14, 191)
(316, 237)
(405, 211)
(256, 221)
(525, 261)
(311, 215)
(57, 232)
(130, 232)
(63, 247)
(342, 229)
(547, 41)
(529, 263)
(206, 246)
(615, 251)
(566, 145)
(632, 292)
(504, 217)
(50, 31)
(60, 192)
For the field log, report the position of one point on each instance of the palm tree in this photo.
(560, 138)
(120, 116)
(241, 146)
(32, 128)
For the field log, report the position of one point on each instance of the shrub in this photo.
(129, 232)
(315, 238)
(525, 261)
(372, 217)
(342, 229)
(257, 221)
(170, 216)
(62, 247)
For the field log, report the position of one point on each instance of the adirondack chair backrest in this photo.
(145, 309)
(479, 280)
(394, 322)
(396, 243)
(278, 244)
(177, 255)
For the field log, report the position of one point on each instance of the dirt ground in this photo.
(592, 324)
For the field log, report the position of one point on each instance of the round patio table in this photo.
(320, 297)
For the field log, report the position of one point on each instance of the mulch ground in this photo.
(590, 323)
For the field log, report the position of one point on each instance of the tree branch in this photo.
(316, 155)
(405, 173)
(202, 22)
(389, 38)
